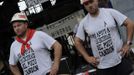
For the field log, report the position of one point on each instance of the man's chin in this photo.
(93, 13)
(19, 35)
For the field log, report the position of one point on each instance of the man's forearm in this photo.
(15, 70)
(130, 30)
(57, 53)
(79, 46)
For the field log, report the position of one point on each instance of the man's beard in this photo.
(94, 13)
(22, 34)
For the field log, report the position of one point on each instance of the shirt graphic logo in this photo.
(104, 42)
(28, 62)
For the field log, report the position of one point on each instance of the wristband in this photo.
(129, 43)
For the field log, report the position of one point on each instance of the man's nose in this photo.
(90, 6)
(16, 28)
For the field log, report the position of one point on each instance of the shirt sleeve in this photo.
(80, 31)
(12, 58)
(119, 17)
(46, 39)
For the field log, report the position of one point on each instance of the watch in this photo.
(129, 43)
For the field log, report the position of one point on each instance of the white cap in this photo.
(82, 1)
(19, 17)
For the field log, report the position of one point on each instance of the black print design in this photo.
(28, 62)
(104, 42)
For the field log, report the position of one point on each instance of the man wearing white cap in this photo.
(107, 46)
(30, 48)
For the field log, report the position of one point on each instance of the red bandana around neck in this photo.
(29, 35)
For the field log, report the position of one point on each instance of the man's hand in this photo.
(125, 50)
(93, 60)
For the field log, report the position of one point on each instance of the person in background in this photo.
(31, 49)
(108, 49)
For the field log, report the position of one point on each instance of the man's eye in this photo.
(86, 3)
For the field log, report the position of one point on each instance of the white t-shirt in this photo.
(35, 61)
(105, 40)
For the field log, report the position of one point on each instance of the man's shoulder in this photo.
(14, 44)
(39, 33)
(107, 9)
(84, 19)
(104, 9)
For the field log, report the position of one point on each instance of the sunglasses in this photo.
(88, 1)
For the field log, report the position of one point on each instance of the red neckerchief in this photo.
(29, 35)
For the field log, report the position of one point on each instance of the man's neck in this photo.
(23, 36)
(95, 14)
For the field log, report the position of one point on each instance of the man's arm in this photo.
(57, 56)
(130, 31)
(15, 70)
(79, 46)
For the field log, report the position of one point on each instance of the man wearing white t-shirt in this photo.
(107, 46)
(30, 48)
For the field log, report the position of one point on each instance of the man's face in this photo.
(20, 28)
(91, 6)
